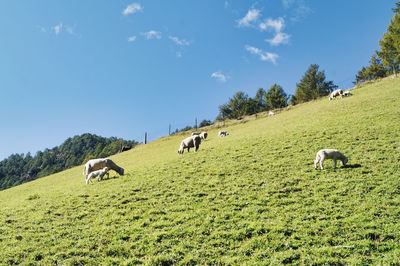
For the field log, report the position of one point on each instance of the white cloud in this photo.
(179, 54)
(69, 29)
(279, 38)
(132, 39)
(287, 3)
(227, 4)
(152, 35)
(132, 9)
(220, 77)
(264, 56)
(179, 42)
(251, 16)
(58, 28)
(275, 24)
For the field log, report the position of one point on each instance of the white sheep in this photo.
(203, 135)
(271, 113)
(99, 173)
(335, 93)
(190, 142)
(222, 134)
(329, 154)
(347, 93)
(97, 164)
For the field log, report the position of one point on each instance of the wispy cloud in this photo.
(279, 38)
(58, 28)
(264, 56)
(287, 3)
(132, 9)
(250, 18)
(220, 77)
(179, 42)
(69, 30)
(272, 24)
(298, 9)
(152, 35)
(132, 39)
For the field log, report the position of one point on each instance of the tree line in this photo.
(312, 85)
(20, 168)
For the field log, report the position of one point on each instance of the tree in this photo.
(260, 101)
(276, 97)
(397, 8)
(390, 44)
(205, 123)
(375, 70)
(313, 85)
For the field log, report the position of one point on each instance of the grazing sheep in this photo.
(190, 142)
(195, 133)
(126, 148)
(347, 93)
(99, 174)
(97, 164)
(329, 154)
(222, 134)
(203, 135)
(271, 113)
(336, 93)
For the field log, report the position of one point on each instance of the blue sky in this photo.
(122, 68)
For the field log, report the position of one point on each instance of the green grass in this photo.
(250, 198)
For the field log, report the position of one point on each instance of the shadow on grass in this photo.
(352, 165)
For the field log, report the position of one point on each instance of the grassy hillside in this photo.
(250, 198)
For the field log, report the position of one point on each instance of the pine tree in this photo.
(276, 97)
(390, 44)
(313, 85)
(375, 70)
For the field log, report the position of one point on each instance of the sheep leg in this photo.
(321, 163)
(315, 162)
(334, 163)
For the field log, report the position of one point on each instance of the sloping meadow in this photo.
(252, 197)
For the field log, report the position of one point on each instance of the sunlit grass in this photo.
(252, 197)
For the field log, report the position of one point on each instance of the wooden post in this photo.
(169, 130)
(195, 122)
(145, 137)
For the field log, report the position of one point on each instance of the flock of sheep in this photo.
(100, 167)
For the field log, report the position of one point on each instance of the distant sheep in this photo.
(329, 154)
(222, 134)
(271, 113)
(97, 164)
(190, 142)
(336, 93)
(347, 93)
(203, 135)
(99, 173)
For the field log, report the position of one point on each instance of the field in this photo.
(250, 198)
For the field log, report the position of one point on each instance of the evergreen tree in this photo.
(260, 100)
(276, 97)
(390, 44)
(375, 70)
(313, 85)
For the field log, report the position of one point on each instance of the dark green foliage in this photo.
(276, 97)
(18, 169)
(374, 71)
(312, 86)
(241, 104)
(390, 45)
(205, 123)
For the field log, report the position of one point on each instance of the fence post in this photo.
(145, 137)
